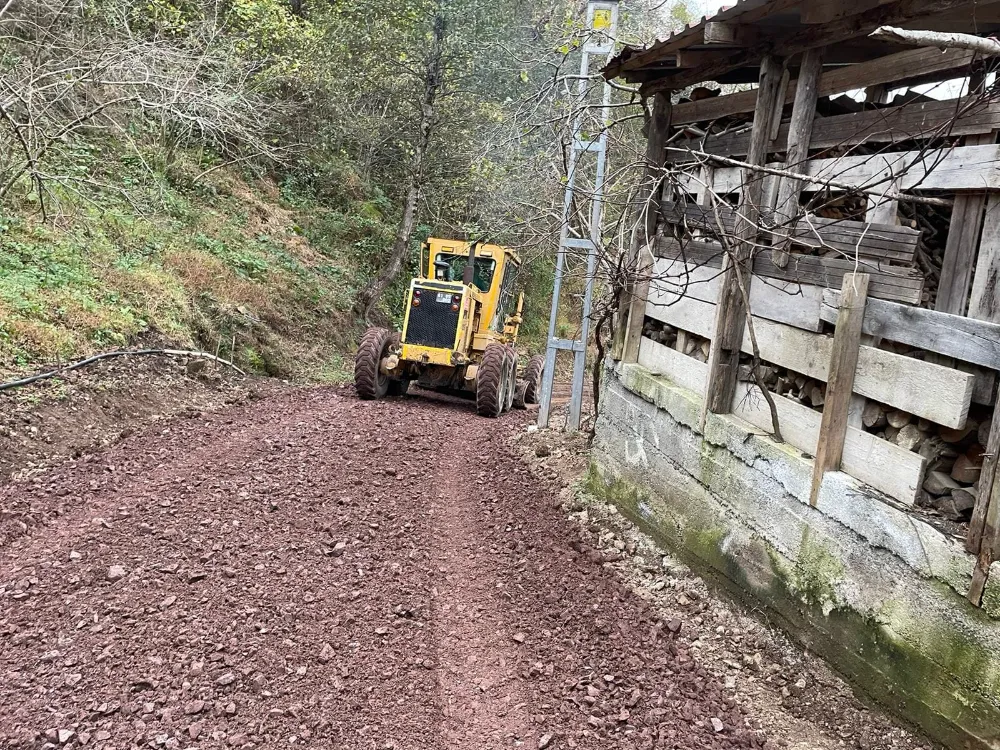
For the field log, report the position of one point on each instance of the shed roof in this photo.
(728, 46)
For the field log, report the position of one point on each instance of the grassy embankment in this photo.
(169, 257)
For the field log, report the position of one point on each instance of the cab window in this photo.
(449, 267)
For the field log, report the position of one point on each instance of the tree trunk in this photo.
(368, 298)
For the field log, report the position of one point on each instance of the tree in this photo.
(432, 72)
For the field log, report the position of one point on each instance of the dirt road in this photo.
(320, 572)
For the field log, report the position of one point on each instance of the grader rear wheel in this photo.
(491, 396)
(369, 380)
(533, 376)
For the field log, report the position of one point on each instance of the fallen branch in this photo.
(983, 45)
(122, 353)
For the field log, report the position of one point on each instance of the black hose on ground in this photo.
(108, 355)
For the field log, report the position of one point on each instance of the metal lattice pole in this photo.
(602, 23)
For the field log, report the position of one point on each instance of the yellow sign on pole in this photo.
(602, 19)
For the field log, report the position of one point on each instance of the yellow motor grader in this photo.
(459, 332)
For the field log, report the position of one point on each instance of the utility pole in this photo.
(602, 26)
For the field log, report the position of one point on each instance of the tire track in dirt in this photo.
(482, 701)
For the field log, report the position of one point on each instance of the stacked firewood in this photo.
(933, 223)
(691, 344)
(954, 456)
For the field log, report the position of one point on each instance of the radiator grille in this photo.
(433, 323)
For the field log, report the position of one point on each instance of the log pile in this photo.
(690, 344)
(954, 457)
(933, 223)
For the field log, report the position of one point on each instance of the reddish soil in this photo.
(84, 410)
(315, 571)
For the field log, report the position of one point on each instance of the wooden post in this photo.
(632, 306)
(987, 478)
(984, 530)
(730, 313)
(799, 135)
(985, 301)
(840, 381)
(960, 249)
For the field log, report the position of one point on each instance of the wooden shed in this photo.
(854, 207)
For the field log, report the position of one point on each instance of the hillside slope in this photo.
(225, 261)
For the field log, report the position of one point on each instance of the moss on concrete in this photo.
(917, 680)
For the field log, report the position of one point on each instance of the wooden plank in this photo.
(984, 529)
(960, 253)
(966, 116)
(772, 299)
(960, 250)
(937, 393)
(888, 242)
(685, 371)
(633, 299)
(800, 38)
(720, 33)
(966, 339)
(824, 11)
(840, 381)
(967, 168)
(987, 478)
(910, 64)
(730, 312)
(888, 282)
(787, 302)
(985, 301)
(876, 462)
(884, 209)
(797, 151)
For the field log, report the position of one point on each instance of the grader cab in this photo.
(459, 332)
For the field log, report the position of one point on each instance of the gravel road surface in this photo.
(315, 571)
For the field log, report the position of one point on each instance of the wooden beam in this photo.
(840, 383)
(965, 339)
(987, 478)
(799, 39)
(939, 394)
(876, 462)
(889, 282)
(903, 122)
(797, 150)
(899, 67)
(984, 529)
(967, 168)
(985, 301)
(633, 299)
(731, 311)
(824, 11)
(785, 302)
(887, 242)
(960, 253)
(721, 33)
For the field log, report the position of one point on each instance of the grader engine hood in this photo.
(435, 316)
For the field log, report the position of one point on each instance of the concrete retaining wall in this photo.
(873, 589)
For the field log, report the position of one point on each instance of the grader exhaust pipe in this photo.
(470, 266)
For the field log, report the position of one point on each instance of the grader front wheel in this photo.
(491, 381)
(369, 380)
